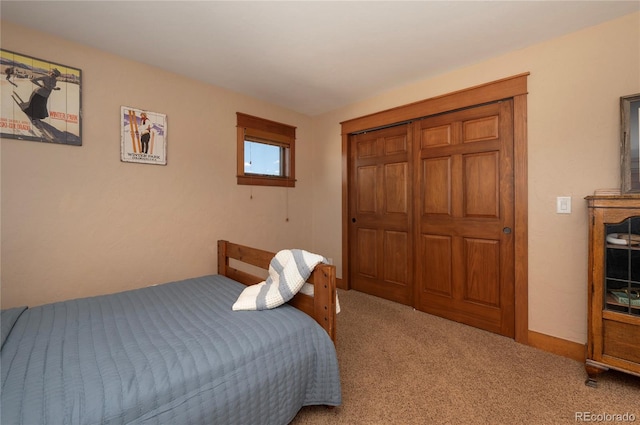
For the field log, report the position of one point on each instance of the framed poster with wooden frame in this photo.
(630, 143)
(39, 100)
(143, 136)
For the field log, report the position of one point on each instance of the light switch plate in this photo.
(563, 204)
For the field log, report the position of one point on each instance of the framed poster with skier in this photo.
(143, 136)
(40, 100)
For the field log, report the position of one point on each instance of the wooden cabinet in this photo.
(614, 285)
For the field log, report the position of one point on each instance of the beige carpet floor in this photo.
(402, 366)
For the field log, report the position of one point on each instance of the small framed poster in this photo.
(39, 100)
(143, 136)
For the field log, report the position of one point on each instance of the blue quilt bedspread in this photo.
(170, 354)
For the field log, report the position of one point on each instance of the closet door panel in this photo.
(395, 188)
(481, 129)
(381, 256)
(367, 263)
(465, 190)
(436, 197)
(481, 185)
(395, 257)
(435, 257)
(367, 190)
(482, 271)
(436, 136)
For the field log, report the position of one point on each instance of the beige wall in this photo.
(77, 221)
(68, 213)
(573, 142)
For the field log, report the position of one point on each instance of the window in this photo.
(265, 152)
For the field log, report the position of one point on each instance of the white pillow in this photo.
(288, 271)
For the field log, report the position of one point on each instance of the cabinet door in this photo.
(622, 267)
(614, 296)
(621, 293)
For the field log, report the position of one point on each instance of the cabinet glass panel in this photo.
(622, 267)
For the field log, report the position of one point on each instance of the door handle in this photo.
(506, 230)
(353, 220)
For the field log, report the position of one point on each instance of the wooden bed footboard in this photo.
(321, 306)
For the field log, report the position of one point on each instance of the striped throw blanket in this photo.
(288, 271)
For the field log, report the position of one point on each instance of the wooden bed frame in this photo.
(321, 306)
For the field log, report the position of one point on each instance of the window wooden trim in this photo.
(270, 132)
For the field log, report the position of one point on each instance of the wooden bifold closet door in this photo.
(432, 211)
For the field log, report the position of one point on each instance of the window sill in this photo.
(266, 181)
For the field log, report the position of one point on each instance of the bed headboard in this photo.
(321, 306)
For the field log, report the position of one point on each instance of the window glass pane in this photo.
(261, 158)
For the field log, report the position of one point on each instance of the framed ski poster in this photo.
(39, 100)
(144, 136)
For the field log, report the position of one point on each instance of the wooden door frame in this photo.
(514, 87)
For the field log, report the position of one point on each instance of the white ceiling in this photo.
(310, 56)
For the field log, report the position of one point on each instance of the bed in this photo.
(174, 353)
